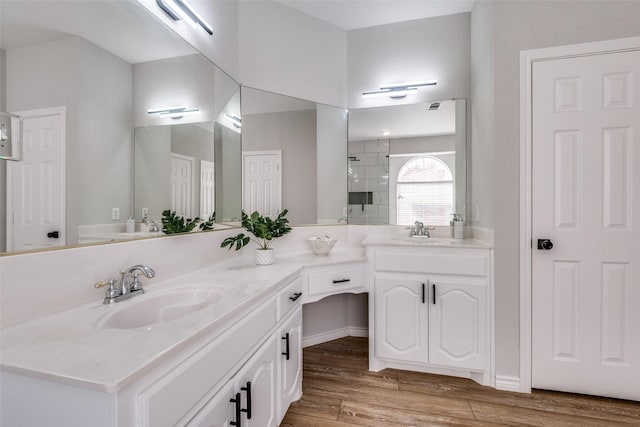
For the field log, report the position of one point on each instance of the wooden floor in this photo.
(338, 390)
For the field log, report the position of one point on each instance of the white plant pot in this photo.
(264, 256)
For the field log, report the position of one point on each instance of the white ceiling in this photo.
(353, 14)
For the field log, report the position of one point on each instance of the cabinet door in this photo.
(290, 364)
(401, 319)
(258, 386)
(219, 411)
(457, 319)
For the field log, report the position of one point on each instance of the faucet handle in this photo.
(111, 283)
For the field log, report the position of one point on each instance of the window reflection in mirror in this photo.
(304, 144)
(407, 163)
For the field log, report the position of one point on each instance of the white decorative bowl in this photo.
(321, 245)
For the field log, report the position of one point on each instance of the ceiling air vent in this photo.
(434, 106)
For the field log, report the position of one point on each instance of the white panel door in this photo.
(36, 206)
(181, 181)
(586, 200)
(401, 323)
(207, 189)
(261, 182)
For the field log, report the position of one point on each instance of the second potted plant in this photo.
(265, 230)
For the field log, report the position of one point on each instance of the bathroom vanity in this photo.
(236, 357)
(430, 306)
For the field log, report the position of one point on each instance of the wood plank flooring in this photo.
(339, 391)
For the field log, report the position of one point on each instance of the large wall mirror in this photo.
(84, 75)
(408, 163)
(294, 157)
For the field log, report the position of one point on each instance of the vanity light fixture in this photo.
(181, 9)
(386, 133)
(399, 90)
(173, 112)
(236, 120)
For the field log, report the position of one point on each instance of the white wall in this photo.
(284, 51)
(293, 132)
(501, 30)
(424, 49)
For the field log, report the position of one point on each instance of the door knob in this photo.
(545, 244)
(54, 235)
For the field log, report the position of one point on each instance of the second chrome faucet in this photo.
(129, 284)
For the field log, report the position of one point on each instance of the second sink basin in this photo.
(145, 310)
(420, 240)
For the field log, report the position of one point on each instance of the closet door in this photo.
(585, 219)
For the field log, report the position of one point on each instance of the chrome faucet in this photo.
(129, 284)
(419, 230)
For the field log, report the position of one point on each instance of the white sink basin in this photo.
(423, 240)
(146, 310)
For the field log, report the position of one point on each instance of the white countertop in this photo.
(437, 242)
(68, 347)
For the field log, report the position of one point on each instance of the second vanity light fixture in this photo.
(181, 9)
(399, 90)
(173, 112)
(236, 120)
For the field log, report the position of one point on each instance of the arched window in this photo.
(425, 192)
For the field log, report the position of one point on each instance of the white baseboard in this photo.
(349, 331)
(508, 383)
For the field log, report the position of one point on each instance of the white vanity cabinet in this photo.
(401, 319)
(290, 363)
(431, 310)
(324, 281)
(247, 399)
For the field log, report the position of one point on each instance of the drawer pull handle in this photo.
(248, 390)
(295, 296)
(341, 280)
(423, 293)
(238, 421)
(286, 351)
(433, 288)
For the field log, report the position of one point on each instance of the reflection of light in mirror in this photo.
(236, 120)
(181, 9)
(173, 112)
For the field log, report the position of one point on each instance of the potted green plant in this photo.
(264, 230)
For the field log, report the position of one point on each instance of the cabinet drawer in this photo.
(289, 298)
(474, 263)
(171, 398)
(336, 279)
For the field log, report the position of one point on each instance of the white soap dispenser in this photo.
(131, 225)
(458, 226)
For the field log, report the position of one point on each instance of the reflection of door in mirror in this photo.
(181, 184)
(262, 182)
(312, 139)
(407, 163)
(35, 194)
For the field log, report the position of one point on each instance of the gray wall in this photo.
(293, 132)
(228, 151)
(152, 170)
(332, 163)
(500, 31)
(3, 164)
(95, 87)
(423, 49)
